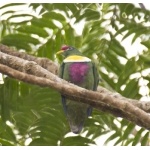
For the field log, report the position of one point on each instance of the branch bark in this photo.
(104, 100)
(43, 62)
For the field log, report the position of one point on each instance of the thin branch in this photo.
(142, 6)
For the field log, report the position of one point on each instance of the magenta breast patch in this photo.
(77, 72)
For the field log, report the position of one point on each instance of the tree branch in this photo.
(52, 67)
(144, 105)
(31, 72)
(83, 94)
(43, 62)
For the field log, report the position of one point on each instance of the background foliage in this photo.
(30, 115)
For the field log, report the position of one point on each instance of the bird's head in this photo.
(68, 50)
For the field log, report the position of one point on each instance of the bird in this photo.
(81, 71)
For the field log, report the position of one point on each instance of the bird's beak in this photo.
(59, 52)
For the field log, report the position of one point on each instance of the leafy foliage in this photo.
(31, 115)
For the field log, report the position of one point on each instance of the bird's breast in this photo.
(78, 71)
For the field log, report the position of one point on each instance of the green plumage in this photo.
(84, 74)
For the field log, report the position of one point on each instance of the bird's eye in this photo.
(70, 48)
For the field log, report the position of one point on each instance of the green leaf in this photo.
(59, 41)
(22, 38)
(61, 7)
(7, 12)
(74, 9)
(48, 49)
(88, 15)
(11, 4)
(128, 131)
(139, 32)
(20, 15)
(145, 139)
(108, 80)
(33, 30)
(128, 8)
(41, 142)
(24, 89)
(112, 137)
(69, 35)
(34, 5)
(114, 61)
(118, 141)
(7, 135)
(126, 72)
(134, 30)
(18, 45)
(76, 141)
(54, 15)
(4, 142)
(128, 92)
(118, 48)
(127, 28)
(137, 137)
(43, 22)
(47, 6)
(8, 97)
(85, 31)
(146, 43)
(91, 14)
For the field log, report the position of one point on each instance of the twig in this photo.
(142, 6)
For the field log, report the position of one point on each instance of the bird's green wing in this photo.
(96, 77)
(60, 74)
(61, 70)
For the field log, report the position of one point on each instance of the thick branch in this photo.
(22, 65)
(52, 67)
(33, 68)
(70, 94)
(43, 62)
(144, 105)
